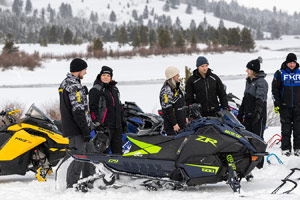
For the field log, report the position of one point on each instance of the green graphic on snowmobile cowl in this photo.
(147, 148)
(207, 140)
(232, 133)
(113, 161)
(208, 169)
(231, 161)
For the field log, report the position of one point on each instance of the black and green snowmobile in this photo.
(210, 150)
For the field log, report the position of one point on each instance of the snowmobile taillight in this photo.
(254, 158)
(80, 156)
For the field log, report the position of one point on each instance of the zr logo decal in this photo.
(207, 140)
(113, 161)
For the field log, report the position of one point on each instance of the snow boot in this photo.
(286, 153)
(297, 152)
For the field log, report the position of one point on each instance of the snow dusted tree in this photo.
(189, 9)
(174, 3)
(152, 37)
(144, 35)
(177, 23)
(164, 39)
(112, 16)
(123, 36)
(68, 36)
(247, 42)
(17, 7)
(28, 7)
(135, 15)
(221, 24)
(166, 7)
(180, 42)
(152, 12)
(136, 39)
(146, 13)
(193, 24)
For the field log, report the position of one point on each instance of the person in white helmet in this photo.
(172, 102)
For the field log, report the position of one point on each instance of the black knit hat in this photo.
(291, 57)
(106, 70)
(77, 65)
(254, 65)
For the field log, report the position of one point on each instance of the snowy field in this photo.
(140, 80)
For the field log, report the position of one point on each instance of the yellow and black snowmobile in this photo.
(33, 143)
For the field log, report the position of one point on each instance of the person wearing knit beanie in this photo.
(106, 70)
(172, 100)
(254, 65)
(77, 65)
(286, 97)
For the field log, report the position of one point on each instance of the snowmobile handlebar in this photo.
(193, 111)
(9, 114)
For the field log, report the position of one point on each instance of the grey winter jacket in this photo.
(74, 107)
(255, 96)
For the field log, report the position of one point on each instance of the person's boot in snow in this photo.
(249, 177)
(297, 152)
(286, 153)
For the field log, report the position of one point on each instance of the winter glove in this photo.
(101, 141)
(276, 109)
(87, 138)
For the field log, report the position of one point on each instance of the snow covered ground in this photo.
(140, 80)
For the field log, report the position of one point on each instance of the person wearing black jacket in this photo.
(172, 102)
(286, 96)
(205, 88)
(75, 118)
(106, 108)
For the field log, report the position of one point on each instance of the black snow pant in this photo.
(290, 122)
(115, 135)
(76, 167)
(257, 128)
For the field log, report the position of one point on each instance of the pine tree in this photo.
(28, 7)
(123, 36)
(247, 42)
(17, 7)
(112, 16)
(152, 37)
(68, 36)
(146, 13)
(189, 9)
(164, 39)
(180, 42)
(234, 36)
(193, 25)
(53, 35)
(135, 15)
(194, 40)
(166, 7)
(136, 39)
(144, 35)
(97, 45)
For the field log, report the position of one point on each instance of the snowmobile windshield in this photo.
(34, 112)
(229, 119)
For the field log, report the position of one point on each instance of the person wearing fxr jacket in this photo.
(286, 96)
(106, 108)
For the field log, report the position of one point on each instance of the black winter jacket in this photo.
(206, 91)
(286, 87)
(74, 107)
(255, 97)
(105, 105)
(172, 103)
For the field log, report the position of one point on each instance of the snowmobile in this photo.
(209, 150)
(140, 123)
(32, 143)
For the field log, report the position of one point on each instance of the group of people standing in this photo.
(104, 109)
(206, 88)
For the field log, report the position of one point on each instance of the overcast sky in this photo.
(285, 5)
